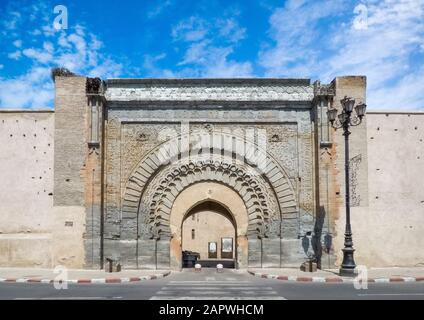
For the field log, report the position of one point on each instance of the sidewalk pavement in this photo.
(394, 274)
(80, 276)
(38, 275)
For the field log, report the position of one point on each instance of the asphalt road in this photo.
(210, 285)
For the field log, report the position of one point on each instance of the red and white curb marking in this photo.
(334, 279)
(87, 281)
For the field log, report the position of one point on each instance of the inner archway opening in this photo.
(209, 234)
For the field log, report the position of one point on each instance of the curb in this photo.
(334, 279)
(87, 281)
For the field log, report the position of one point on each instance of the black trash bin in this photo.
(189, 259)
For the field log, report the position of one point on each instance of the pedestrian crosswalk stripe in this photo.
(214, 288)
(230, 283)
(211, 284)
(220, 292)
(217, 298)
(203, 281)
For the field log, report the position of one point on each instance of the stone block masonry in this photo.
(86, 181)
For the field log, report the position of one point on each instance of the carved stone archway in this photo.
(163, 189)
(215, 192)
(155, 185)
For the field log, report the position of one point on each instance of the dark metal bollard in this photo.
(112, 265)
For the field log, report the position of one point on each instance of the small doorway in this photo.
(212, 250)
(209, 233)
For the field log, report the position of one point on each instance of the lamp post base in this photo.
(347, 272)
(348, 267)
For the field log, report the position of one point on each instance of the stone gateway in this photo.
(141, 170)
(173, 145)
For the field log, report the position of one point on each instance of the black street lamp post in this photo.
(345, 119)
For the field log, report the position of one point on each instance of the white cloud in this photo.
(107, 69)
(196, 29)
(219, 65)
(81, 53)
(230, 29)
(407, 93)
(75, 49)
(35, 32)
(14, 55)
(48, 30)
(1, 66)
(154, 12)
(387, 51)
(294, 29)
(149, 60)
(63, 41)
(210, 61)
(192, 29)
(152, 70)
(17, 43)
(48, 46)
(33, 89)
(196, 53)
(40, 56)
(208, 48)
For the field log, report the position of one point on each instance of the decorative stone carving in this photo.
(134, 146)
(195, 91)
(354, 163)
(142, 137)
(164, 188)
(158, 184)
(208, 127)
(145, 114)
(323, 90)
(283, 145)
(275, 138)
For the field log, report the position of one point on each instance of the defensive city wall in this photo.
(82, 183)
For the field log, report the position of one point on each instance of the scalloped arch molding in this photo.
(169, 169)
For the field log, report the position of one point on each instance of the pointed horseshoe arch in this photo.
(209, 192)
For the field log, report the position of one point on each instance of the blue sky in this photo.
(383, 40)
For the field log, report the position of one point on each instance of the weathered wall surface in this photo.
(354, 87)
(142, 114)
(330, 173)
(390, 231)
(26, 199)
(51, 181)
(208, 226)
(51, 174)
(70, 137)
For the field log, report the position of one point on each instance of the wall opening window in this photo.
(192, 234)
